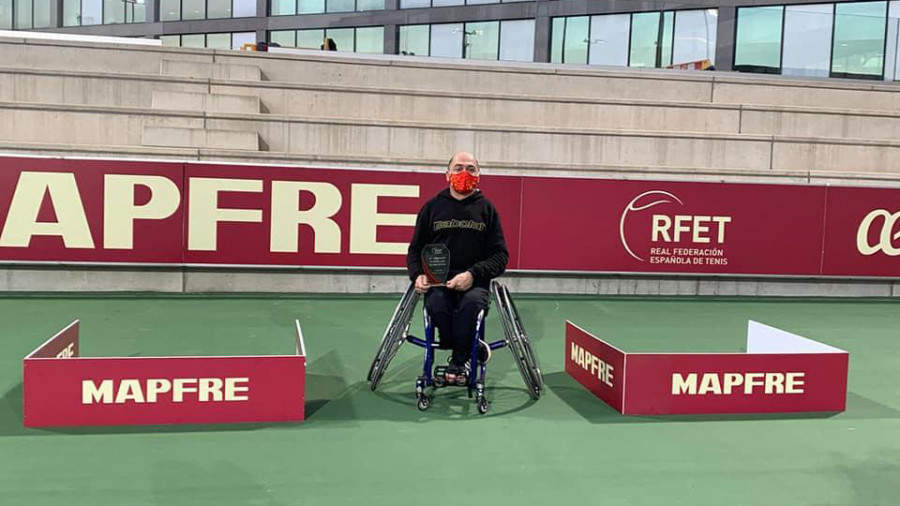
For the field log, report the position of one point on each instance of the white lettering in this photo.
(772, 383)
(682, 385)
(286, 216)
(119, 211)
(181, 386)
(204, 213)
(91, 393)
(130, 390)
(365, 218)
(233, 387)
(22, 220)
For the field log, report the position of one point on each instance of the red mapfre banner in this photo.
(62, 389)
(781, 372)
(862, 233)
(596, 364)
(645, 226)
(114, 212)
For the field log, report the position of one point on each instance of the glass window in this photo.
(474, 2)
(370, 5)
(645, 30)
(135, 12)
(343, 37)
(858, 48)
(91, 12)
(244, 9)
(41, 13)
(23, 14)
(218, 41)
(414, 40)
(807, 40)
(193, 40)
(517, 40)
(758, 39)
(113, 12)
(667, 34)
(447, 40)
(71, 12)
(609, 39)
(695, 36)
(193, 9)
(283, 7)
(6, 15)
(892, 61)
(284, 38)
(483, 40)
(339, 6)
(575, 47)
(370, 40)
(170, 40)
(413, 4)
(310, 39)
(218, 9)
(170, 10)
(557, 34)
(238, 39)
(311, 7)
(442, 3)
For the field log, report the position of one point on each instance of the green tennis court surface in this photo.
(360, 447)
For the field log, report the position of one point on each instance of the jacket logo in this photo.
(885, 242)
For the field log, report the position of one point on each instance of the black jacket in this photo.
(471, 230)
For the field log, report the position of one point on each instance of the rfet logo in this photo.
(700, 238)
(885, 237)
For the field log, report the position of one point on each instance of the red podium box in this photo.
(780, 372)
(63, 389)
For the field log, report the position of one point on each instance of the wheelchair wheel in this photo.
(516, 342)
(394, 336)
(388, 334)
(423, 403)
(533, 365)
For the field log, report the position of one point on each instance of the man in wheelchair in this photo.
(464, 220)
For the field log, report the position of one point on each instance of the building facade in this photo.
(817, 39)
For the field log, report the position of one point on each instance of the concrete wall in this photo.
(96, 279)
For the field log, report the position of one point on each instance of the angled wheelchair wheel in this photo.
(394, 336)
(517, 341)
(388, 333)
(531, 358)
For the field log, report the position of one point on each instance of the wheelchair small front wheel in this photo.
(423, 403)
(483, 406)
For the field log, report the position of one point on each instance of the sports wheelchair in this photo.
(516, 339)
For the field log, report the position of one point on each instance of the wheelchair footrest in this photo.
(440, 378)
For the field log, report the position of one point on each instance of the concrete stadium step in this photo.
(136, 91)
(573, 81)
(515, 111)
(209, 138)
(207, 70)
(420, 140)
(433, 165)
(210, 102)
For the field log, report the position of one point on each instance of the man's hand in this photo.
(422, 285)
(462, 281)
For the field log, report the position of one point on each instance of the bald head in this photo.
(463, 161)
(464, 158)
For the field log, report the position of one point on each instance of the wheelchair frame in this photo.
(516, 339)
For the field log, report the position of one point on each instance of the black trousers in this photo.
(454, 314)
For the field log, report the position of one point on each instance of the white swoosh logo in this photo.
(630, 207)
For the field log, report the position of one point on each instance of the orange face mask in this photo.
(463, 182)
